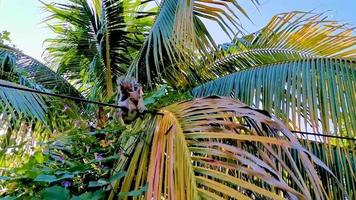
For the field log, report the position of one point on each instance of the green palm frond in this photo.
(299, 67)
(219, 148)
(340, 158)
(179, 38)
(18, 65)
(95, 40)
(30, 104)
(310, 94)
(19, 69)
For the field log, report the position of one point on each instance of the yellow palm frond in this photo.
(219, 148)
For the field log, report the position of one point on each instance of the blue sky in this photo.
(23, 18)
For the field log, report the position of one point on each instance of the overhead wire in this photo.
(324, 135)
(77, 99)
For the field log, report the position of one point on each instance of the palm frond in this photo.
(340, 158)
(23, 66)
(219, 148)
(177, 36)
(17, 68)
(30, 104)
(310, 94)
(95, 40)
(287, 37)
(305, 32)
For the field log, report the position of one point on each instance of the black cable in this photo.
(324, 135)
(69, 97)
(152, 112)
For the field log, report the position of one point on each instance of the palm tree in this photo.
(29, 117)
(96, 41)
(300, 68)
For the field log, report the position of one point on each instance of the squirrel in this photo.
(130, 100)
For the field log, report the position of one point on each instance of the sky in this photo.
(24, 18)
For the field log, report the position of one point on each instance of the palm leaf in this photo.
(287, 37)
(25, 67)
(340, 158)
(30, 104)
(95, 40)
(177, 36)
(310, 94)
(18, 68)
(301, 83)
(305, 32)
(218, 148)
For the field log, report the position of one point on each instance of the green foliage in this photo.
(33, 73)
(134, 193)
(55, 192)
(18, 69)
(98, 42)
(165, 96)
(76, 164)
(178, 39)
(300, 67)
(315, 93)
(5, 37)
(29, 104)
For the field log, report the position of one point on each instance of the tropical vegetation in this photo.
(270, 115)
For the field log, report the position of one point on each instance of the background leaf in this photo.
(56, 192)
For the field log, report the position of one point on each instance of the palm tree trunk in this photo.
(108, 74)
